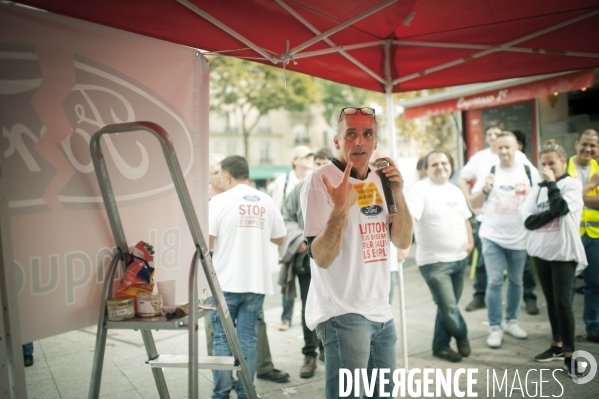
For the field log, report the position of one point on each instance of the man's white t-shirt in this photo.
(479, 167)
(244, 220)
(503, 222)
(278, 189)
(560, 238)
(441, 212)
(358, 280)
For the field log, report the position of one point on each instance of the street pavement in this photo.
(63, 363)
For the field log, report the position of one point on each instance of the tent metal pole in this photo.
(341, 26)
(389, 100)
(393, 156)
(337, 49)
(12, 369)
(391, 122)
(230, 31)
(493, 49)
(485, 47)
(330, 42)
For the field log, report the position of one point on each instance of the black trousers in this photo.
(556, 281)
(311, 341)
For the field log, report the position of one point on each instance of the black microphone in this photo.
(389, 198)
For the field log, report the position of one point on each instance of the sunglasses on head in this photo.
(354, 110)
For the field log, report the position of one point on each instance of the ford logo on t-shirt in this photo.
(452, 204)
(251, 198)
(507, 188)
(371, 210)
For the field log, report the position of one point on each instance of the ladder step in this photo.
(204, 362)
(154, 323)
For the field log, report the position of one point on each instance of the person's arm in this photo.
(278, 241)
(326, 246)
(211, 242)
(477, 200)
(470, 245)
(404, 253)
(557, 205)
(465, 187)
(401, 226)
(591, 200)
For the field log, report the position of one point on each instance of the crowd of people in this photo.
(337, 237)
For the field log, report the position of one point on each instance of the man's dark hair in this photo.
(588, 132)
(449, 158)
(520, 138)
(323, 153)
(236, 166)
(492, 125)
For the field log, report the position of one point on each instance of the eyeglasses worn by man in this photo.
(349, 231)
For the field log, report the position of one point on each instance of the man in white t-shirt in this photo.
(477, 169)
(444, 238)
(348, 228)
(243, 221)
(503, 236)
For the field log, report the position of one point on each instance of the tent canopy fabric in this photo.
(429, 43)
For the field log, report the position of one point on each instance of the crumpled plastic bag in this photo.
(139, 275)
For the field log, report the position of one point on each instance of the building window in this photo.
(265, 153)
(300, 132)
(264, 125)
(231, 122)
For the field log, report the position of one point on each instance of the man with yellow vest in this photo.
(584, 167)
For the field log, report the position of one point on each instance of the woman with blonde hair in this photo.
(552, 213)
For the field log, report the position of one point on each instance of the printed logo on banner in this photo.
(101, 96)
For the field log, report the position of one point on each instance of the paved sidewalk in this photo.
(63, 363)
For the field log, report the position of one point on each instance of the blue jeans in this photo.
(353, 342)
(496, 260)
(446, 281)
(28, 349)
(245, 311)
(591, 285)
(287, 309)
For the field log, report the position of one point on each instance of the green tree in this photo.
(336, 96)
(253, 89)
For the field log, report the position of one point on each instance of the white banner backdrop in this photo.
(61, 80)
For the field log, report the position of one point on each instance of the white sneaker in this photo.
(512, 328)
(495, 337)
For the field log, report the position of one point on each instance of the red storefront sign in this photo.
(507, 95)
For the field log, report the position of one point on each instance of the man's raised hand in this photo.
(344, 195)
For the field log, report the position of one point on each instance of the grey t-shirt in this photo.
(583, 173)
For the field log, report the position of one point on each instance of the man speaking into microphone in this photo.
(349, 229)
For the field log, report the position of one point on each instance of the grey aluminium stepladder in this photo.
(157, 362)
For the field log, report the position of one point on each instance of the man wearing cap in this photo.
(302, 163)
(348, 228)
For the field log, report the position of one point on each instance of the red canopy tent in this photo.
(430, 43)
(381, 45)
